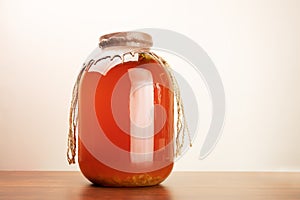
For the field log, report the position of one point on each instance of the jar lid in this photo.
(129, 39)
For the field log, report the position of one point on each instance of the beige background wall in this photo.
(255, 46)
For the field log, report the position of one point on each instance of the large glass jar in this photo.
(125, 113)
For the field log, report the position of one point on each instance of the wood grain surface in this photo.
(180, 185)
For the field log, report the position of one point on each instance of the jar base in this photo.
(140, 180)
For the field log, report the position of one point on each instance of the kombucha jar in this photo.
(123, 102)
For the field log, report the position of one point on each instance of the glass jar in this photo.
(125, 113)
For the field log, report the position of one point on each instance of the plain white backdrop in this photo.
(255, 46)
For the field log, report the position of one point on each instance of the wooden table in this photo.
(180, 185)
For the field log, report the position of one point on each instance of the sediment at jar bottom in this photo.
(138, 180)
(102, 175)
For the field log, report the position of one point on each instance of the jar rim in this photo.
(129, 39)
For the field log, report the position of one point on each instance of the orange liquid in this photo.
(97, 109)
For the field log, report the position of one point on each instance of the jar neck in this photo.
(126, 39)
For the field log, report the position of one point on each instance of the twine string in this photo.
(181, 123)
